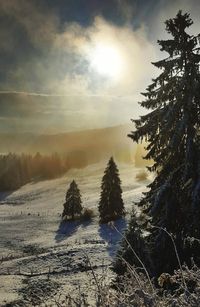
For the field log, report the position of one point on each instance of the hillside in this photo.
(33, 242)
(96, 144)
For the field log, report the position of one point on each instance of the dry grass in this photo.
(138, 293)
(135, 288)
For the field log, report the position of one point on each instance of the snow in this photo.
(36, 248)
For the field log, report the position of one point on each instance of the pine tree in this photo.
(111, 206)
(171, 130)
(72, 205)
(133, 249)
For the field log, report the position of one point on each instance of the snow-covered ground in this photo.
(42, 258)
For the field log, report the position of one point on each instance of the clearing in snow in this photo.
(43, 259)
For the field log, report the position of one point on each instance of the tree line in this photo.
(19, 169)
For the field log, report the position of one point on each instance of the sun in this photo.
(107, 61)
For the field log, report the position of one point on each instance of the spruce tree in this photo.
(72, 205)
(172, 130)
(133, 249)
(111, 206)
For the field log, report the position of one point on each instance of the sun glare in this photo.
(107, 61)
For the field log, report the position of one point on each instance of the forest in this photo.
(16, 170)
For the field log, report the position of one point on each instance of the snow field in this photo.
(36, 248)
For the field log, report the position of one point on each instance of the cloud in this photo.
(41, 113)
(41, 26)
(59, 89)
(53, 56)
(46, 79)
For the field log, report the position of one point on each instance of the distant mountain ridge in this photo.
(102, 142)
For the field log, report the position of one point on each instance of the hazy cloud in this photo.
(46, 78)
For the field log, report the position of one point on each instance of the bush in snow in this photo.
(87, 214)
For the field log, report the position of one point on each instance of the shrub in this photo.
(87, 214)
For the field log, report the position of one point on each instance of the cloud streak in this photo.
(59, 95)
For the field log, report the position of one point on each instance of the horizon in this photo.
(78, 130)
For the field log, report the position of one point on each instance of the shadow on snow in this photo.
(4, 195)
(68, 228)
(112, 234)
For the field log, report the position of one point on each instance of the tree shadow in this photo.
(112, 234)
(86, 223)
(4, 195)
(66, 229)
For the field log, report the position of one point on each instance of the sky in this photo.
(79, 64)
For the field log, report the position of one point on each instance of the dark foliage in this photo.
(72, 205)
(133, 249)
(171, 131)
(87, 214)
(17, 170)
(111, 206)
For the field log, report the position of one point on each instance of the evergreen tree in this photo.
(72, 205)
(133, 249)
(172, 132)
(111, 206)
